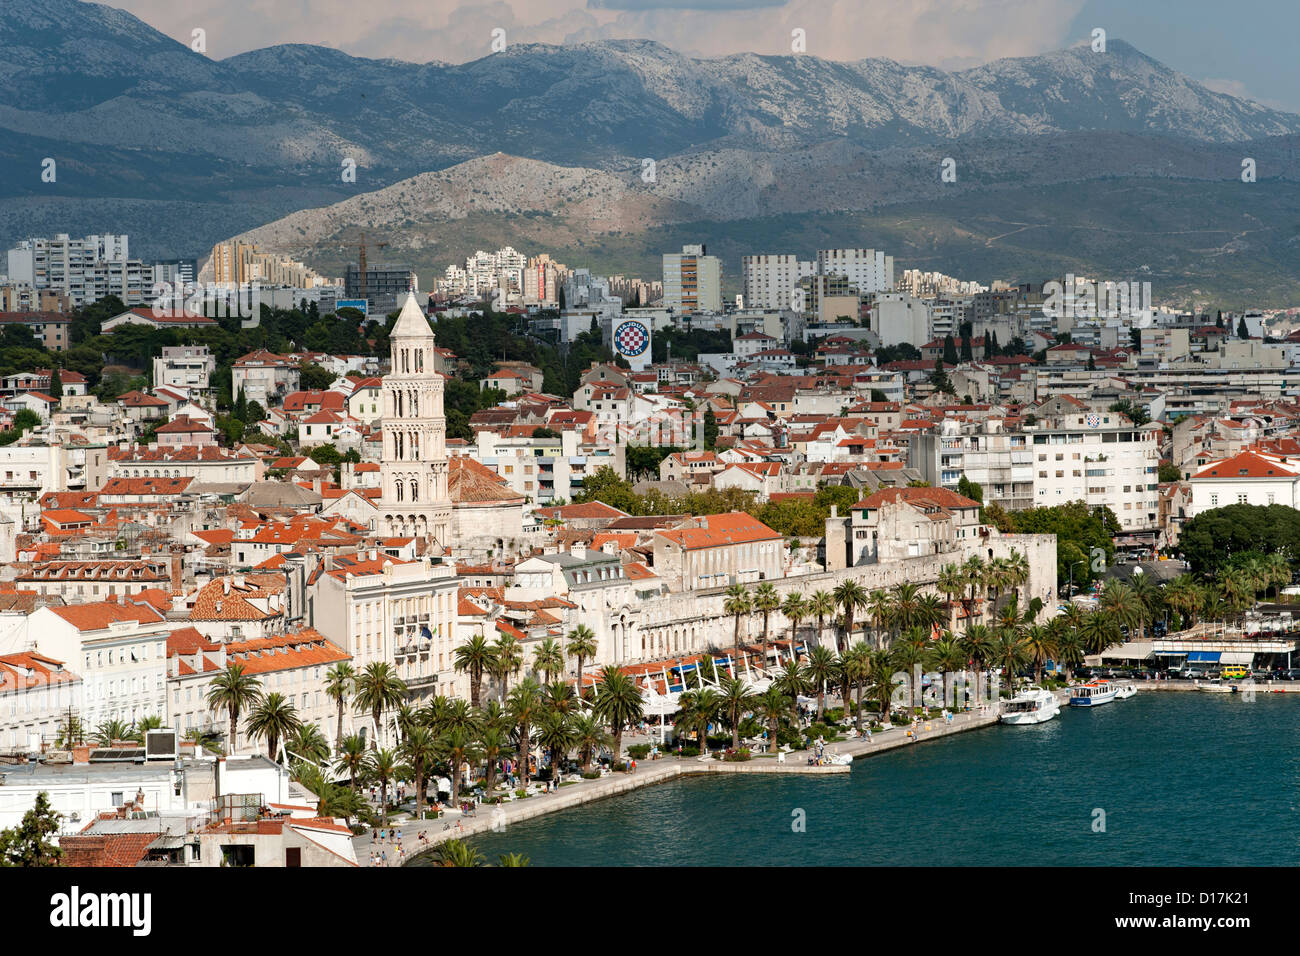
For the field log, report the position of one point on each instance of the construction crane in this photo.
(362, 261)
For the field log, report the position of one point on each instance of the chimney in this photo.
(579, 551)
(176, 572)
(225, 585)
(81, 753)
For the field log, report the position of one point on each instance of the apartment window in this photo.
(1214, 501)
(1241, 499)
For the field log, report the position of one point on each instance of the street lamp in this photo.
(1072, 564)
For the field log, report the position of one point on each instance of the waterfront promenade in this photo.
(487, 818)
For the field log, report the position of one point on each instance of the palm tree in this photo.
(1120, 601)
(582, 645)
(144, 725)
(378, 688)
(555, 733)
(882, 679)
(947, 654)
(977, 643)
(524, 707)
(1012, 653)
(930, 612)
(1099, 632)
(821, 606)
(458, 853)
(459, 715)
(235, 691)
(699, 708)
(1069, 650)
(795, 609)
(1148, 598)
(1183, 594)
(310, 744)
(407, 717)
(339, 683)
(880, 607)
(457, 748)
(1278, 568)
(792, 682)
(589, 735)
(820, 670)
(273, 719)
(352, 757)
(111, 730)
(420, 750)
(771, 706)
(766, 600)
(509, 657)
(493, 744)
(906, 613)
(851, 596)
(736, 697)
(737, 604)
(855, 665)
(548, 658)
(618, 703)
(952, 584)
(974, 571)
(1017, 570)
(513, 859)
(1040, 645)
(908, 654)
(433, 715)
(559, 697)
(382, 767)
(477, 657)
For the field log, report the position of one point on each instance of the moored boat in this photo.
(1093, 694)
(1033, 705)
(1125, 691)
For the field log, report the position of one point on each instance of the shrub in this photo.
(690, 751)
(591, 775)
(736, 756)
(639, 751)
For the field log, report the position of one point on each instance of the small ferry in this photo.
(1033, 705)
(1125, 691)
(1093, 694)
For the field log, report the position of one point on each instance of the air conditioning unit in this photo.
(161, 745)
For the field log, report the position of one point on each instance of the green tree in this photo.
(339, 683)
(273, 719)
(618, 702)
(29, 844)
(377, 689)
(234, 691)
(476, 657)
(312, 377)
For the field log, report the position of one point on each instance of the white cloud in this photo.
(944, 33)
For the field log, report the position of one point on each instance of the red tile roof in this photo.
(736, 527)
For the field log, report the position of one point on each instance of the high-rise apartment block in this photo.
(692, 281)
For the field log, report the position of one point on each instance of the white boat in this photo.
(1093, 694)
(1217, 688)
(1033, 705)
(1125, 691)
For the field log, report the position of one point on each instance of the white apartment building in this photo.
(1000, 461)
(1102, 459)
(85, 269)
(264, 377)
(1247, 478)
(692, 280)
(770, 281)
(35, 694)
(377, 608)
(543, 469)
(121, 650)
(898, 317)
(870, 270)
(184, 366)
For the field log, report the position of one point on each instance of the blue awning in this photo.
(1203, 657)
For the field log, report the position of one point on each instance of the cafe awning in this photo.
(1203, 657)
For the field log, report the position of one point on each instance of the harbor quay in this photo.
(496, 818)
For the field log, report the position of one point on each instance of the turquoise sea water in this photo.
(1184, 779)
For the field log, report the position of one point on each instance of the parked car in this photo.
(1195, 673)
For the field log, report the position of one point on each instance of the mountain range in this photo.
(544, 146)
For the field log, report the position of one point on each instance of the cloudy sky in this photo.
(1246, 52)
